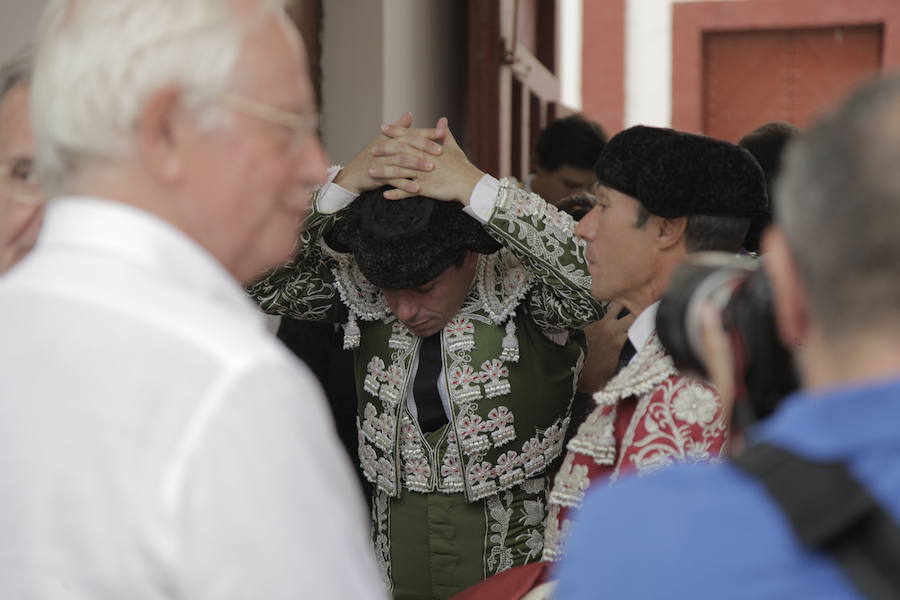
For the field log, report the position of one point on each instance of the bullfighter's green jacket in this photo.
(454, 506)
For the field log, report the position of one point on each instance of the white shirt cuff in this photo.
(483, 200)
(333, 197)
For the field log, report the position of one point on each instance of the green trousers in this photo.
(435, 545)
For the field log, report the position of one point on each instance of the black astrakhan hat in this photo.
(675, 174)
(403, 244)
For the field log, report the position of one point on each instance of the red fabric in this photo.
(665, 431)
(600, 473)
(511, 584)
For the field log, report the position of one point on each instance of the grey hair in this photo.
(840, 209)
(705, 233)
(15, 71)
(97, 62)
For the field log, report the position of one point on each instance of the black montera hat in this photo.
(402, 244)
(675, 174)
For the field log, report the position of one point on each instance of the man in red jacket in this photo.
(662, 195)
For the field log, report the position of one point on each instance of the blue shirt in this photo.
(709, 531)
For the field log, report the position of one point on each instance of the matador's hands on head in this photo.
(394, 160)
(453, 177)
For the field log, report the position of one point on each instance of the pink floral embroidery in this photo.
(408, 433)
(481, 472)
(462, 376)
(385, 424)
(471, 425)
(532, 449)
(458, 327)
(418, 466)
(507, 462)
(558, 219)
(394, 375)
(494, 369)
(450, 467)
(376, 367)
(501, 415)
(385, 469)
(522, 206)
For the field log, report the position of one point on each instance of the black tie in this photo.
(425, 387)
(625, 355)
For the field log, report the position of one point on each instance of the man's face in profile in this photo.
(622, 258)
(21, 206)
(252, 179)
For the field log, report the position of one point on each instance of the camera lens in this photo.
(710, 278)
(740, 292)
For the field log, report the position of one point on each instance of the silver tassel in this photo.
(351, 333)
(510, 351)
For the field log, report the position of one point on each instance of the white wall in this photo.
(425, 61)
(352, 72)
(648, 62)
(381, 58)
(18, 19)
(571, 15)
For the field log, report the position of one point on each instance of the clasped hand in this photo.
(416, 162)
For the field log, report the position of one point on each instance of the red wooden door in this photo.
(513, 86)
(752, 77)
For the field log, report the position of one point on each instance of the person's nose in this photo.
(406, 308)
(588, 224)
(312, 163)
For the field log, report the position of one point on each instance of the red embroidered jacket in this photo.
(647, 417)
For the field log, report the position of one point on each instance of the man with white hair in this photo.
(155, 441)
(21, 204)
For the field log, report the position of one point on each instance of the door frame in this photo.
(691, 20)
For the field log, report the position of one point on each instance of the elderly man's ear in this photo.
(161, 133)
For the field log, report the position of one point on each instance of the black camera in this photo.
(740, 291)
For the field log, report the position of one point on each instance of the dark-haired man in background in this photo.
(767, 144)
(564, 158)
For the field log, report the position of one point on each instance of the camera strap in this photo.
(831, 512)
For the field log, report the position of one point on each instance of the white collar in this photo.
(643, 327)
(143, 239)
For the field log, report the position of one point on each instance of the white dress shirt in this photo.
(643, 327)
(155, 440)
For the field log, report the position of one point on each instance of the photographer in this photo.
(717, 321)
(810, 510)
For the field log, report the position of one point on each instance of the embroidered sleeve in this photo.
(543, 239)
(700, 414)
(304, 288)
(683, 420)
